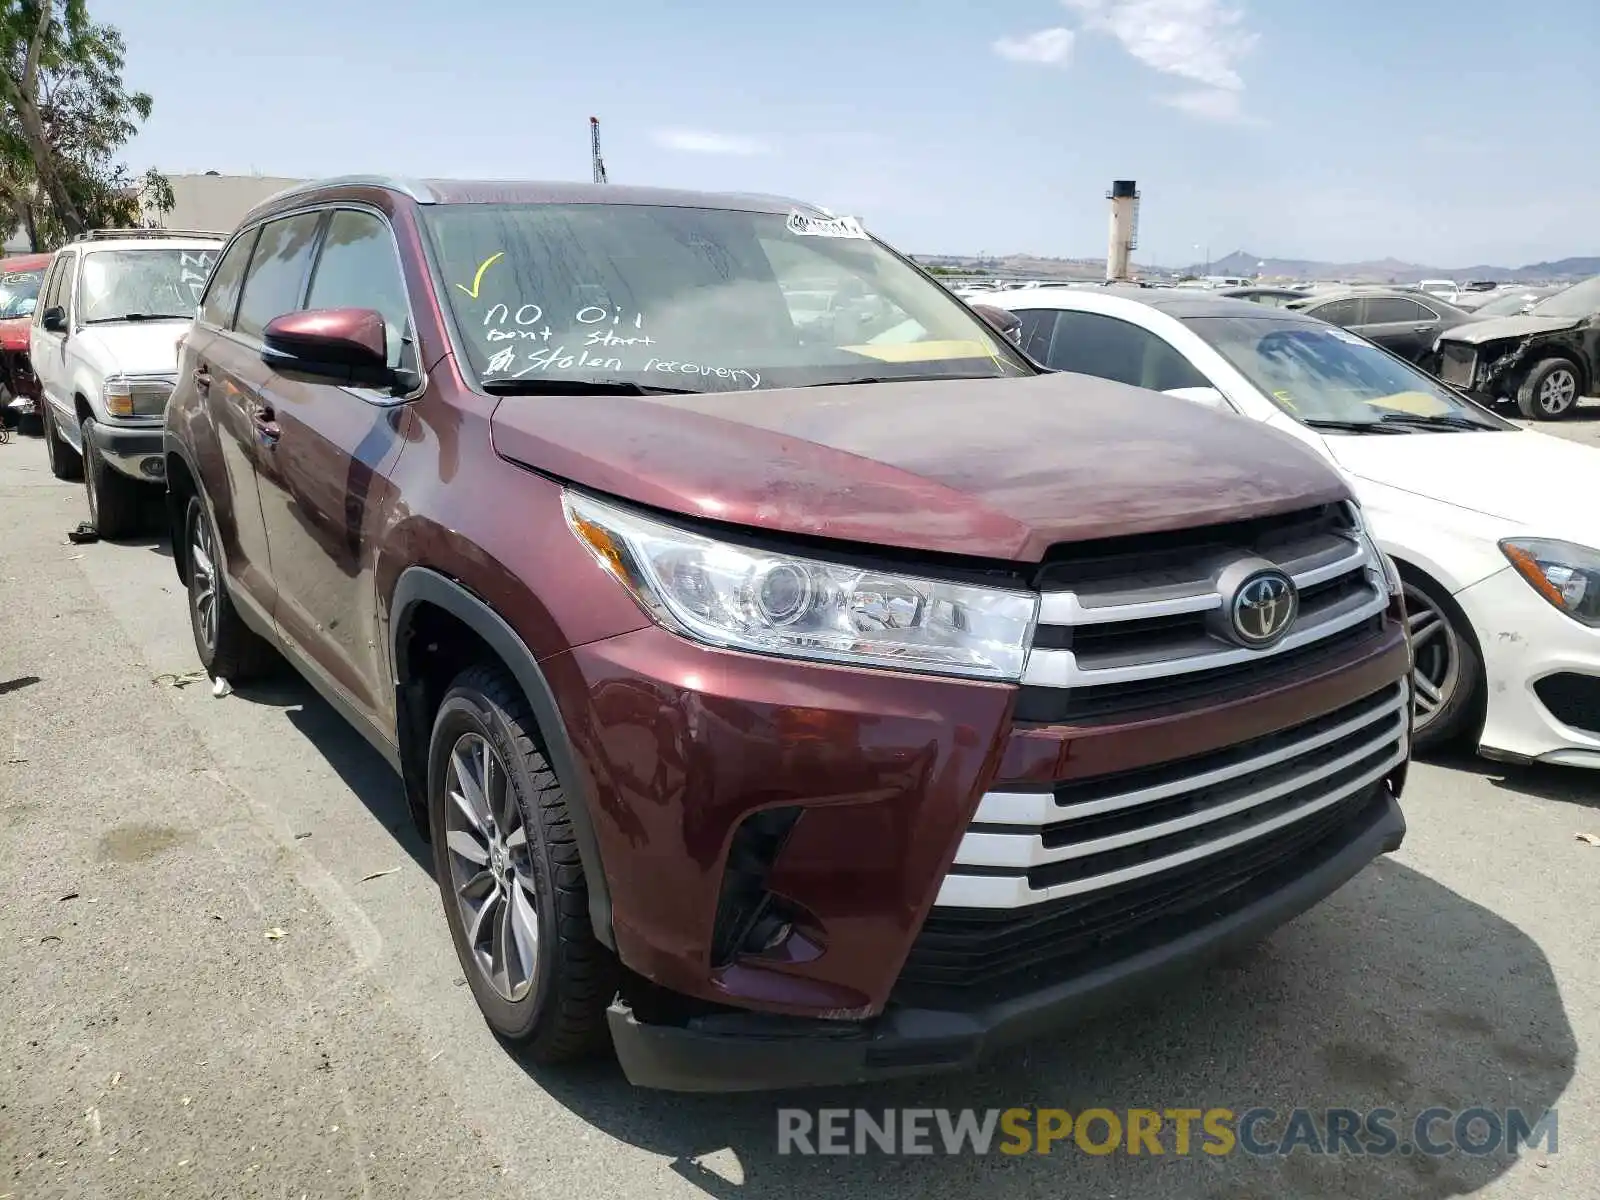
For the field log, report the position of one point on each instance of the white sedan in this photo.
(1495, 529)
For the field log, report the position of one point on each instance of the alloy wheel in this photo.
(491, 868)
(203, 573)
(1558, 391)
(1436, 658)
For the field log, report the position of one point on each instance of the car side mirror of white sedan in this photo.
(1209, 396)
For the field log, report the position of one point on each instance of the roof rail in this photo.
(416, 189)
(100, 235)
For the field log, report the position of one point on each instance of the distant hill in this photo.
(1242, 262)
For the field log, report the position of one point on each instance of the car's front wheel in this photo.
(228, 648)
(1447, 670)
(115, 501)
(65, 462)
(509, 874)
(1550, 391)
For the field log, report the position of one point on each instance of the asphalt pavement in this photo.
(224, 969)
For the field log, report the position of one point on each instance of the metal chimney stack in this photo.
(1124, 197)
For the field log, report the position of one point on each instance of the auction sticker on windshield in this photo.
(833, 227)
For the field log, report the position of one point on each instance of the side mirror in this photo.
(1004, 322)
(1208, 396)
(55, 319)
(348, 347)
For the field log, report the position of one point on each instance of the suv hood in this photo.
(1493, 329)
(1544, 483)
(133, 347)
(1000, 468)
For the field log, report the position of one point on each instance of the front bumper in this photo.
(1523, 640)
(681, 750)
(134, 450)
(752, 1052)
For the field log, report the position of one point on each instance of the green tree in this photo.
(65, 115)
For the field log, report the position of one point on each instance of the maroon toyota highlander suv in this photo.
(795, 683)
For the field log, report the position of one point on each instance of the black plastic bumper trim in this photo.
(755, 1053)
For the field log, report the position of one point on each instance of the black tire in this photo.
(1551, 390)
(562, 1014)
(228, 648)
(1460, 717)
(116, 503)
(65, 462)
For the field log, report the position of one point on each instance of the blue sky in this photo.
(1449, 132)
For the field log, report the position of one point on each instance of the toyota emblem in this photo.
(1263, 608)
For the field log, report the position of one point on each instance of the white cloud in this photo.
(1200, 40)
(700, 141)
(1212, 104)
(1048, 46)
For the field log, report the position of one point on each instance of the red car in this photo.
(20, 277)
(787, 701)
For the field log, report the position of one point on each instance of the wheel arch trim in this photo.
(417, 585)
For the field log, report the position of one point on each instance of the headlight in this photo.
(770, 603)
(118, 396)
(1563, 573)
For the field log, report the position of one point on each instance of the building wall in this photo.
(216, 203)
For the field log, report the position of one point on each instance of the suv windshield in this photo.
(19, 291)
(142, 285)
(696, 298)
(1579, 300)
(1320, 373)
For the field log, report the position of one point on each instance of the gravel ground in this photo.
(156, 1041)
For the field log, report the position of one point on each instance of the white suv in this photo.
(104, 345)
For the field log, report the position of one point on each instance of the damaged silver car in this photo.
(1543, 360)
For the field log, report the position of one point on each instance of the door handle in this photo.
(202, 379)
(265, 421)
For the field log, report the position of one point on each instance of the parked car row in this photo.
(787, 700)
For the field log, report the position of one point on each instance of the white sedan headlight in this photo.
(742, 598)
(1564, 573)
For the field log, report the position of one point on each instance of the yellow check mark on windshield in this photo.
(478, 278)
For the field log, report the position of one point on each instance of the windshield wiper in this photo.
(1355, 426)
(1449, 421)
(140, 317)
(587, 387)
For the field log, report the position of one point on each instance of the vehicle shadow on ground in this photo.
(1397, 993)
(1569, 785)
(362, 769)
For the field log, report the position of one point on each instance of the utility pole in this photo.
(594, 150)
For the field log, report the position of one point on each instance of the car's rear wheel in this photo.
(116, 502)
(228, 648)
(1550, 390)
(510, 876)
(1447, 670)
(65, 462)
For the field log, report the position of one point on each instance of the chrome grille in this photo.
(1086, 836)
(1458, 365)
(1131, 619)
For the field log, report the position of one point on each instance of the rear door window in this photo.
(1394, 310)
(1338, 312)
(1093, 344)
(277, 277)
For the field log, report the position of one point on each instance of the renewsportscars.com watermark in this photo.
(1434, 1132)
